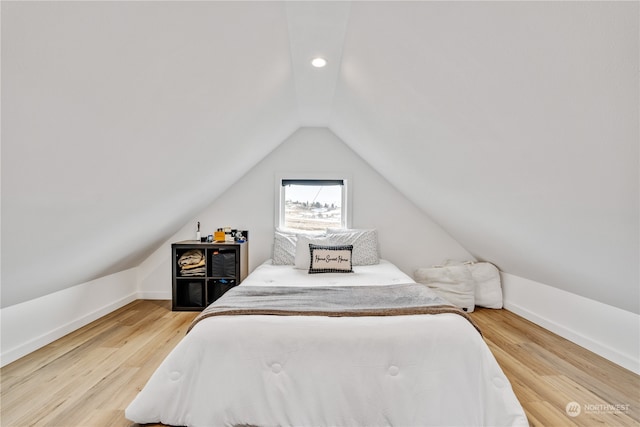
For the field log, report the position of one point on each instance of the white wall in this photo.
(407, 236)
(32, 324)
(611, 332)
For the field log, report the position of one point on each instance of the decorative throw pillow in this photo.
(303, 258)
(364, 242)
(330, 259)
(488, 291)
(453, 283)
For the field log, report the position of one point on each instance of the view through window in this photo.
(313, 204)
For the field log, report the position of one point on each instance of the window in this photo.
(312, 204)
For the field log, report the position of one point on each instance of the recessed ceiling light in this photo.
(318, 62)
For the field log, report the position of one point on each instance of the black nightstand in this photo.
(196, 285)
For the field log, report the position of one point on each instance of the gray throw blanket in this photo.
(334, 301)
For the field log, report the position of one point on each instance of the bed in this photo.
(324, 370)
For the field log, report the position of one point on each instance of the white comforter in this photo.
(417, 370)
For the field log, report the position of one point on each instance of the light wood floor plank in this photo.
(88, 377)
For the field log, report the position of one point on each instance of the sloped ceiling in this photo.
(123, 119)
(513, 125)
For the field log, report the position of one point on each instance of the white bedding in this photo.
(417, 370)
(384, 273)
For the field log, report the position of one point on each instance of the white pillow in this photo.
(365, 243)
(488, 291)
(303, 257)
(284, 248)
(453, 283)
(284, 245)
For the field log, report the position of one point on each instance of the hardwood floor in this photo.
(548, 372)
(88, 377)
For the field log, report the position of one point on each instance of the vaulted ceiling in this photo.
(514, 125)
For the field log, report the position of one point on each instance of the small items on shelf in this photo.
(228, 234)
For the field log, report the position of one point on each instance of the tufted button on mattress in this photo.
(393, 370)
(276, 368)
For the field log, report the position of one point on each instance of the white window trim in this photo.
(279, 193)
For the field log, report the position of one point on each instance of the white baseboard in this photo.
(154, 295)
(608, 331)
(33, 324)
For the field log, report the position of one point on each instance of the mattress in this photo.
(261, 370)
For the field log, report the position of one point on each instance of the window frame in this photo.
(280, 195)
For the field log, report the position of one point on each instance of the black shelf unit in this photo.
(225, 266)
